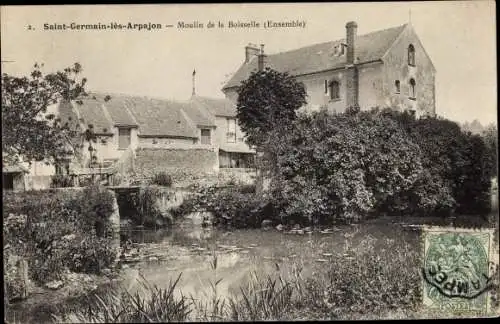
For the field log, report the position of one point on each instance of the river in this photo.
(159, 256)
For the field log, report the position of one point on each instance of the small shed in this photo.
(14, 177)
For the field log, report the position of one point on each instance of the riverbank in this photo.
(340, 273)
(368, 271)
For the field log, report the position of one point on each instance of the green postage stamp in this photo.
(460, 267)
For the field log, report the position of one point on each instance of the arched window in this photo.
(412, 88)
(398, 86)
(411, 55)
(334, 88)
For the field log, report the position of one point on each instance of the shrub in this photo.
(61, 181)
(339, 168)
(142, 206)
(98, 205)
(461, 160)
(55, 226)
(237, 207)
(162, 179)
(90, 255)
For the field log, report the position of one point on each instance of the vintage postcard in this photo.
(249, 162)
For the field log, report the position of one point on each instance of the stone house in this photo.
(386, 68)
(146, 135)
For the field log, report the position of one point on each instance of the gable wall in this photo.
(397, 68)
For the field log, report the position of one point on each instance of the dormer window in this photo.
(411, 55)
(339, 49)
(334, 89)
(397, 85)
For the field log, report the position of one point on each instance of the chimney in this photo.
(250, 51)
(262, 58)
(352, 81)
(351, 31)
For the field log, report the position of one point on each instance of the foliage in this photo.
(61, 181)
(98, 207)
(373, 276)
(366, 282)
(91, 255)
(490, 136)
(458, 159)
(268, 100)
(27, 130)
(57, 225)
(338, 168)
(162, 179)
(123, 307)
(142, 206)
(234, 206)
(263, 298)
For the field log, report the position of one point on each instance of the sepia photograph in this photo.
(249, 162)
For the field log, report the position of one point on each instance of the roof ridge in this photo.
(136, 96)
(337, 40)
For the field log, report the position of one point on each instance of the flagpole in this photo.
(194, 89)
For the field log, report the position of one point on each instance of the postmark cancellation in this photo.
(460, 270)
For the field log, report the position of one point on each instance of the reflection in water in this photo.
(188, 248)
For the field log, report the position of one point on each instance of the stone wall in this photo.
(38, 182)
(190, 162)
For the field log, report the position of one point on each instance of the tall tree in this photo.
(266, 107)
(28, 131)
(268, 100)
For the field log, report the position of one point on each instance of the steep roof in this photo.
(68, 114)
(117, 108)
(157, 117)
(319, 57)
(152, 116)
(199, 114)
(91, 112)
(217, 107)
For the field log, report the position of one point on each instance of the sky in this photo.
(459, 37)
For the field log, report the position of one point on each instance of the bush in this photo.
(91, 255)
(61, 181)
(97, 207)
(162, 179)
(237, 207)
(461, 160)
(339, 168)
(49, 227)
(342, 168)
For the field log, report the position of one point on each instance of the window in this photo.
(334, 88)
(231, 130)
(205, 137)
(398, 86)
(411, 55)
(412, 89)
(123, 138)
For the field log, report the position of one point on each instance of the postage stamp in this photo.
(458, 270)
